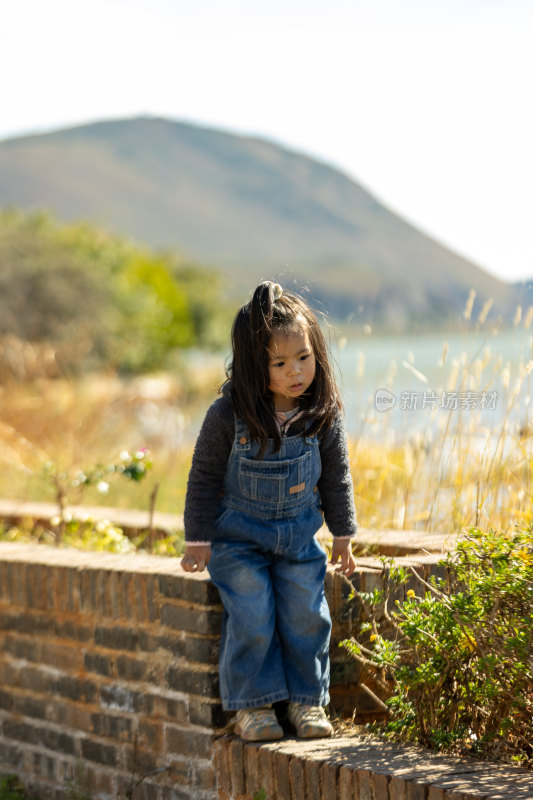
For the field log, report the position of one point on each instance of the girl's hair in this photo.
(270, 311)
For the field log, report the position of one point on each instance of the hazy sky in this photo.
(426, 102)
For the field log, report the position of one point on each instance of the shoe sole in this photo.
(314, 735)
(266, 737)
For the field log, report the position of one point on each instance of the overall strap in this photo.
(242, 435)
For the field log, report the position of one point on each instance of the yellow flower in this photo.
(411, 593)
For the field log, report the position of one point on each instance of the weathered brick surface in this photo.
(109, 662)
(351, 768)
(108, 673)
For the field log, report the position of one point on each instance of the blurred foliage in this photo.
(99, 300)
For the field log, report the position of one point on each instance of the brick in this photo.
(208, 714)
(23, 647)
(79, 689)
(175, 793)
(222, 769)
(184, 678)
(125, 581)
(347, 786)
(183, 587)
(436, 794)
(252, 772)
(328, 779)
(150, 734)
(141, 761)
(31, 706)
(202, 649)
(266, 771)
(122, 699)
(100, 752)
(112, 596)
(187, 742)
(116, 638)
(70, 715)
(312, 780)
(11, 675)
(364, 784)
(193, 619)
(6, 700)
(70, 658)
(19, 585)
(112, 726)
(73, 629)
(397, 789)
(31, 623)
(11, 755)
(99, 664)
(181, 771)
(416, 791)
(380, 785)
(150, 642)
(281, 776)
(175, 710)
(40, 736)
(235, 753)
(296, 779)
(73, 595)
(96, 781)
(131, 669)
(153, 611)
(40, 764)
(204, 776)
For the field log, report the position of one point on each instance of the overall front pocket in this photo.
(275, 481)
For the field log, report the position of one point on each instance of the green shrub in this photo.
(11, 788)
(454, 658)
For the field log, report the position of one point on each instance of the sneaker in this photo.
(309, 722)
(258, 724)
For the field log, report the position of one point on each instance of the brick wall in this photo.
(107, 674)
(108, 671)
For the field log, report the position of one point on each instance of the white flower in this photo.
(125, 456)
(102, 487)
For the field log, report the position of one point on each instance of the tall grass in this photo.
(59, 427)
(453, 468)
(448, 468)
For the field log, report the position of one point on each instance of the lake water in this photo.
(409, 382)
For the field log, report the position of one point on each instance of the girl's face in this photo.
(291, 368)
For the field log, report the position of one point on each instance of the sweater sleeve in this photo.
(206, 477)
(335, 484)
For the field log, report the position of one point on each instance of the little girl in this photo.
(270, 464)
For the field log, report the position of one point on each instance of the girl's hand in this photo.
(196, 557)
(342, 550)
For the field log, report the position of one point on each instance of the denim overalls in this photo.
(269, 569)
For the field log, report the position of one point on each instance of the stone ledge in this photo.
(359, 768)
(385, 542)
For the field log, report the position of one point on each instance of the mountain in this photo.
(251, 208)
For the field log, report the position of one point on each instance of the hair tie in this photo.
(277, 291)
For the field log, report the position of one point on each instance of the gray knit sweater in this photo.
(210, 458)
